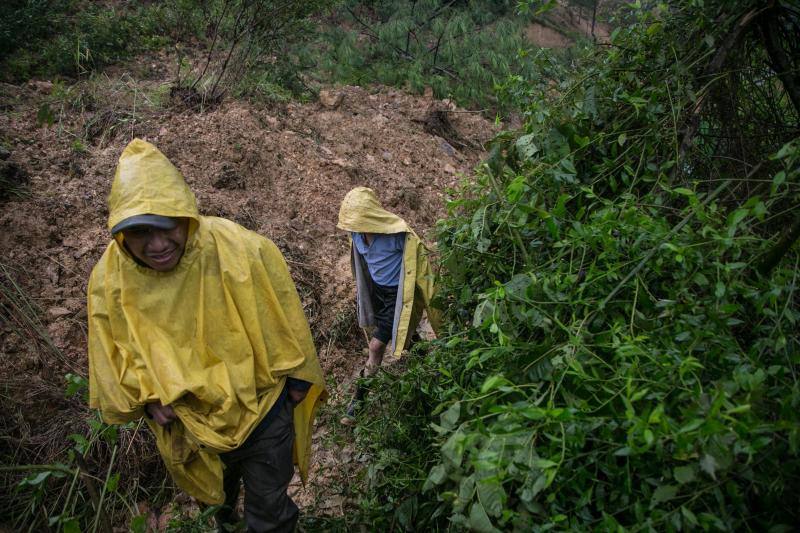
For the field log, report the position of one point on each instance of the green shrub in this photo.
(73, 37)
(459, 49)
(623, 349)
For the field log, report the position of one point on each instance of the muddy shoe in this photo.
(349, 418)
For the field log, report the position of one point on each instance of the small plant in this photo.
(83, 503)
(78, 147)
(191, 522)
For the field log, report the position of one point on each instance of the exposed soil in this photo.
(280, 170)
(560, 26)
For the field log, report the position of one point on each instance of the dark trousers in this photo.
(264, 463)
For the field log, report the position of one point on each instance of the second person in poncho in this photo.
(394, 280)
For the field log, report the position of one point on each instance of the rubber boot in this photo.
(349, 417)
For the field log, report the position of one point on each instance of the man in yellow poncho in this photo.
(195, 324)
(394, 281)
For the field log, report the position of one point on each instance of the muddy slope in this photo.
(280, 170)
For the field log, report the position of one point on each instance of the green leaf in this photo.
(544, 8)
(736, 217)
(663, 493)
(683, 474)
(516, 188)
(544, 464)
(568, 166)
(45, 115)
(71, 526)
(405, 513)
(786, 149)
(483, 311)
(35, 479)
(113, 482)
(436, 476)
(81, 442)
(709, 465)
(518, 285)
(453, 448)
(449, 418)
(492, 496)
(75, 384)
(492, 382)
(479, 520)
(478, 222)
(691, 426)
(138, 524)
(689, 516)
(525, 146)
(682, 336)
(621, 139)
(466, 488)
(719, 289)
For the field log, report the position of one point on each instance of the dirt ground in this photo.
(278, 169)
(564, 22)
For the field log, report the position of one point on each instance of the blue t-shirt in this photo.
(384, 256)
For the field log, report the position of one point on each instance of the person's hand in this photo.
(162, 414)
(297, 396)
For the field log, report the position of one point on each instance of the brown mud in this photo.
(278, 169)
(560, 26)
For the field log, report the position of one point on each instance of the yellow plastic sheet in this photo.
(361, 212)
(215, 338)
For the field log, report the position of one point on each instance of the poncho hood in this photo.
(146, 182)
(215, 337)
(361, 211)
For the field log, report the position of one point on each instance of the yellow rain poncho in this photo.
(362, 212)
(215, 338)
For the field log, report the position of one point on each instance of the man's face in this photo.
(160, 249)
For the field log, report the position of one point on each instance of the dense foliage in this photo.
(458, 49)
(72, 37)
(622, 295)
(241, 40)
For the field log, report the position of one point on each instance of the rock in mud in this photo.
(330, 99)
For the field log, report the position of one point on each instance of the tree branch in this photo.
(774, 256)
(712, 69)
(781, 64)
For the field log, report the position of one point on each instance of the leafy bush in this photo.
(72, 37)
(459, 49)
(622, 298)
(245, 46)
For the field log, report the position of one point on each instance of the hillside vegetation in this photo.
(619, 275)
(620, 280)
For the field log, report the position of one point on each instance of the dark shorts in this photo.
(383, 302)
